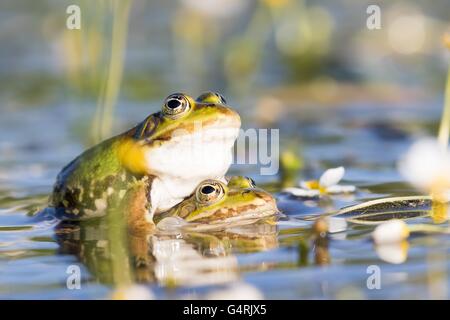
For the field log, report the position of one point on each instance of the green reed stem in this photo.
(444, 127)
(111, 83)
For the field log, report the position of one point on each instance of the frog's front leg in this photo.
(137, 207)
(138, 213)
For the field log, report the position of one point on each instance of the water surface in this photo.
(280, 261)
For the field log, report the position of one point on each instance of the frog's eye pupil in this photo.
(208, 189)
(173, 103)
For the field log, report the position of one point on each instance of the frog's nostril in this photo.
(173, 103)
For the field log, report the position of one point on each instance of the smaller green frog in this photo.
(216, 203)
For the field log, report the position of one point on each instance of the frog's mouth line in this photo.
(240, 220)
(205, 135)
(220, 224)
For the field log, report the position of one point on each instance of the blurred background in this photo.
(259, 53)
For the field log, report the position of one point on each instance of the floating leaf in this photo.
(380, 210)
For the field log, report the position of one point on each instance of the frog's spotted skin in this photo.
(86, 185)
(213, 203)
(154, 155)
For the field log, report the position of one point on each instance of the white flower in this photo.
(427, 167)
(299, 192)
(133, 292)
(392, 231)
(394, 253)
(331, 177)
(327, 184)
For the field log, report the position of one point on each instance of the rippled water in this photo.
(273, 260)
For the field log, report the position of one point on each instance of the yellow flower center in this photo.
(315, 185)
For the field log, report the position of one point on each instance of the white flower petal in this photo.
(392, 231)
(331, 177)
(304, 184)
(299, 192)
(446, 196)
(134, 292)
(341, 189)
(425, 164)
(394, 253)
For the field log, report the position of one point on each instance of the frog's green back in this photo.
(84, 186)
(96, 163)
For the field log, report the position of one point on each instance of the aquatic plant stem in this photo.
(444, 127)
(111, 83)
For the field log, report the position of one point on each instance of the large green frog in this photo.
(217, 204)
(154, 165)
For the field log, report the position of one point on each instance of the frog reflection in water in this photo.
(153, 166)
(203, 252)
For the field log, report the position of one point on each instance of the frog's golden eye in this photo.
(176, 105)
(209, 192)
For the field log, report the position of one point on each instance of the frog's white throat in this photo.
(184, 161)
